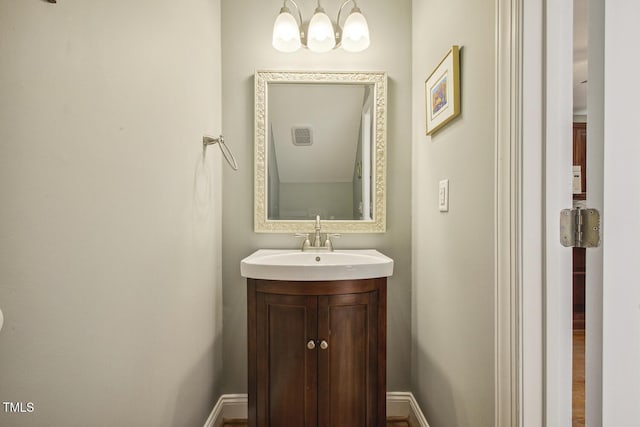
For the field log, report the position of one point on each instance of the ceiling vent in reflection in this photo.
(302, 135)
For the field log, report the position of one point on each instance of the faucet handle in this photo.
(327, 241)
(306, 243)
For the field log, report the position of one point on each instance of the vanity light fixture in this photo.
(322, 35)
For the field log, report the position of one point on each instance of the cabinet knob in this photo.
(324, 345)
(311, 344)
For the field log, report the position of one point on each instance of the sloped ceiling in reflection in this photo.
(333, 113)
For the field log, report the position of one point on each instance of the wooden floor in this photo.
(391, 422)
(578, 407)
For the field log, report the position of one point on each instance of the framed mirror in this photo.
(320, 149)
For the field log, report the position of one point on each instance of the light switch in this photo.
(443, 196)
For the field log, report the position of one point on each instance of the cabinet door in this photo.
(347, 368)
(286, 367)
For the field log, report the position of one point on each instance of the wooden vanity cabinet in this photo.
(317, 353)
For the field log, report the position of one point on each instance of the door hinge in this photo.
(580, 228)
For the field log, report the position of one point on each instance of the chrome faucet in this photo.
(317, 244)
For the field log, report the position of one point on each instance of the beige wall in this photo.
(246, 46)
(453, 252)
(333, 199)
(109, 220)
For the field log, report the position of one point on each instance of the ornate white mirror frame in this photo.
(378, 81)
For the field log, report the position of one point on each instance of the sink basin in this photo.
(287, 264)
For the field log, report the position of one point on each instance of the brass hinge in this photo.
(580, 228)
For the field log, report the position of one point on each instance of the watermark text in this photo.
(18, 407)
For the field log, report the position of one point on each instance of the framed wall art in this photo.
(442, 91)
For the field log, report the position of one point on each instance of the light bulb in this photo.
(355, 35)
(320, 37)
(286, 34)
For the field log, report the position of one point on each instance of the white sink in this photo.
(287, 264)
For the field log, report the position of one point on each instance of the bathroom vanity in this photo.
(317, 348)
(317, 323)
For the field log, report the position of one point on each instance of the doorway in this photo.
(579, 184)
(579, 272)
(588, 155)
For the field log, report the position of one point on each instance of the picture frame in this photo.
(442, 91)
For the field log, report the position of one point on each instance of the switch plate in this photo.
(443, 196)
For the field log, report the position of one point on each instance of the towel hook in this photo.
(228, 155)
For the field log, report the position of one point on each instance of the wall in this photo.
(301, 200)
(110, 217)
(453, 252)
(246, 46)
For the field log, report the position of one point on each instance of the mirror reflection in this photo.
(320, 144)
(320, 149)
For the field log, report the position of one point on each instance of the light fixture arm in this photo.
(286, 9)
(355, 8)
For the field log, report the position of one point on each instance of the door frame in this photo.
(508, 217)
(533, 115)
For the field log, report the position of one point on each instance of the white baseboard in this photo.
(228, 406)
(403, 404)
(399, 404)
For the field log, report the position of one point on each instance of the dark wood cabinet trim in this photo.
(381, 284)
(338, 287)
(251, 349)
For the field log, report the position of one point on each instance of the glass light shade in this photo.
(286, 34)
(320, 36)
(355, 35)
